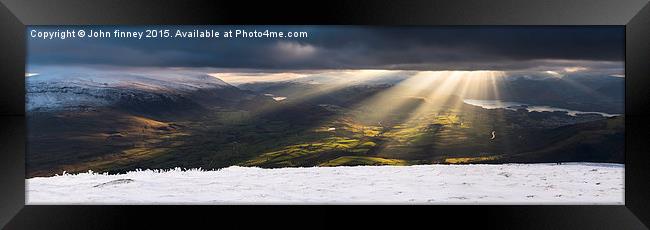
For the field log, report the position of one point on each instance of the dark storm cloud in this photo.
(346, 47)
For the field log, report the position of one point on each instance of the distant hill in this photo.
(144, 93)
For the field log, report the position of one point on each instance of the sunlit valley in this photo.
(117, 121)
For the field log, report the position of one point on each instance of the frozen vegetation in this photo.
(568, 183)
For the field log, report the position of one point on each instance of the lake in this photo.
(498, 104)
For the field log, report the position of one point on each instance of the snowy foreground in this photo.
(576, 183)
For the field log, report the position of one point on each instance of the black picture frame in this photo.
(633, 14)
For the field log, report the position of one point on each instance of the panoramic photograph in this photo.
(325, 115)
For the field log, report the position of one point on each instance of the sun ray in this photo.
(339, 80)
(441, 91)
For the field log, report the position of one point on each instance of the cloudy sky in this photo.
(596, 49)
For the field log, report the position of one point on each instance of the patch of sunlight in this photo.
(299, 150)
(462, 160)
(452, 119)
(149, 122)
(362, 160)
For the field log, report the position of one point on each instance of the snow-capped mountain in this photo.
(83, 88)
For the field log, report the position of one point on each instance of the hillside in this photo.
(108, 122)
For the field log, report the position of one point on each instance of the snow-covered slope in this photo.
(576, 183)
(69, 88)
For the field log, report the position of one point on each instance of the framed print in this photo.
(533, 114)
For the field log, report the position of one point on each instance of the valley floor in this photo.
(569, 183)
